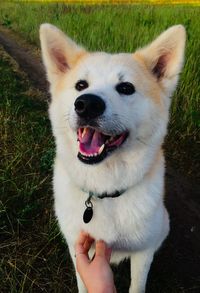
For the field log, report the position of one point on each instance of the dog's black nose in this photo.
(89, 106)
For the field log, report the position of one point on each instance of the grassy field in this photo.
(32, 252)
(31, 247)
(125, 28)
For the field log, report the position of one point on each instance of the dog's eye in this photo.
(125, 88)
(81, 85)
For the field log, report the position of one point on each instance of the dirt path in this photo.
(27, 61)
(177, 264)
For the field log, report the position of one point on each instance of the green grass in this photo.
(125, 28)
(32, 251)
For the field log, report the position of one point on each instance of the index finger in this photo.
(79, 246)
(84, 242)
(81, 238)
(81, 253)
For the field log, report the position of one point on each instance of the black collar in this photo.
(88, 213)
(106, 195)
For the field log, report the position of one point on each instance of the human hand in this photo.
(96, 273)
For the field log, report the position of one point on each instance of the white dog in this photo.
(109, 114)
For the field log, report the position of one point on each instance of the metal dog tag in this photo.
(88, 213)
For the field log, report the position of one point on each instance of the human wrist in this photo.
(106, 289)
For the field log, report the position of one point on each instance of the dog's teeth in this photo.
(111, 139)
(84, 132)
(101, 149)
(92, 155)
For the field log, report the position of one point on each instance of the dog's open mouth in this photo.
(95, 145)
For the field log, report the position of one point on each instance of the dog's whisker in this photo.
(66, 117)
(141, 141)
(61, 127)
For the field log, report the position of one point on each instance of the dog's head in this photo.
(106, 108)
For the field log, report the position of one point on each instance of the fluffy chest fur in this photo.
(124, 222)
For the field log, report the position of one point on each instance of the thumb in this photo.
(100, 248)
(108, 253)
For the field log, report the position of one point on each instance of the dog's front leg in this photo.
(81, 286)
(140, 265)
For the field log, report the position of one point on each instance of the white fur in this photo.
(136, 223)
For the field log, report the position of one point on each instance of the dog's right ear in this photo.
(59, 52)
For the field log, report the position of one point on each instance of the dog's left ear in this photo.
(165, 55)
(59, 52)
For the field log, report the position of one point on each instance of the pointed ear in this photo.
(59, 52)
(165, 55)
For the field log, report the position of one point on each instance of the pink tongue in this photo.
(91, 142)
